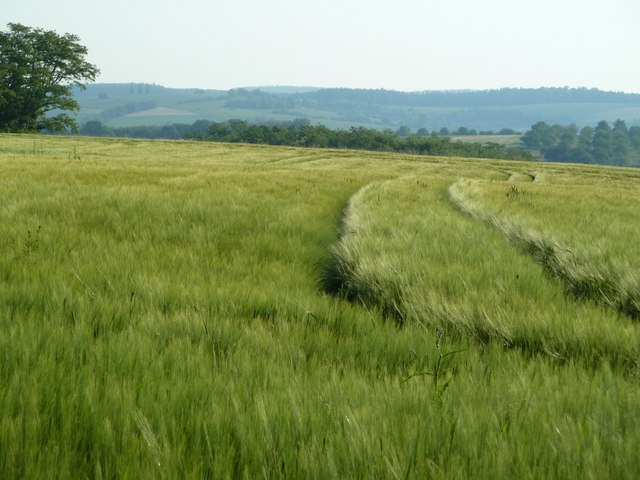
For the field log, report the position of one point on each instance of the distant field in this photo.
(175, 309)
(508, 140)
(161, 111)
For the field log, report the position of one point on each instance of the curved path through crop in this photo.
(409, 247)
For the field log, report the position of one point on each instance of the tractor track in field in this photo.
(582, 280)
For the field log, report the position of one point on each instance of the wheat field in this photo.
(198, 310)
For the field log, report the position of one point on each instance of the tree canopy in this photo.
(38, 69)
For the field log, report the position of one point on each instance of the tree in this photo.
(621, 148)
(403, 131)
(539, 137)
(602, 142)
(585, 138)
(38, 69)
(568, 136)
(94, 128)
(634, 137)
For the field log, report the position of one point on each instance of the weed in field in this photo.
(74, 155)
(32, 241)
(441, 367)
(514, 191)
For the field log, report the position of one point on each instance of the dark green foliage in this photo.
(38, 69)
(196, 131)
(603, 144)
(301, 133)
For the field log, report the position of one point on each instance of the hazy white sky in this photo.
(392, 44)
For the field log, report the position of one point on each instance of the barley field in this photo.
(198, 310)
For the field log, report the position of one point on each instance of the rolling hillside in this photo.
(143, 104)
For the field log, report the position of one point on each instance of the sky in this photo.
(407, 45)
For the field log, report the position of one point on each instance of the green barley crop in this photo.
(163, 315)
(584, 234)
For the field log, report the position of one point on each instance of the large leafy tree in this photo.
(38, 69)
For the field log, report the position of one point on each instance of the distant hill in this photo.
(489, 110)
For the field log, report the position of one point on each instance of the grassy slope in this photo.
(162, 316)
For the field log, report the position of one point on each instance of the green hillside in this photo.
(123, 105)
(119, 105)
(174, 309)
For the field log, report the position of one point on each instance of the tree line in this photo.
(604, 144)
(331, 97)
(171, 131)
(300, 133)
